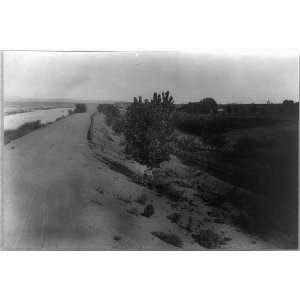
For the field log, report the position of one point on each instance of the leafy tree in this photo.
(210, 104)
(80, 108)
(148, 128)
(287, 102)
(205, 106)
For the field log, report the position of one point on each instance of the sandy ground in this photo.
(59, 195)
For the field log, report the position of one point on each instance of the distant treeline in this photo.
(205, 106)
(210, 106)
(218, 124)
(206, 117)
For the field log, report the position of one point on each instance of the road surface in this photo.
(57, 195)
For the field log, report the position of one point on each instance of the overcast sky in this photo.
(189, 76)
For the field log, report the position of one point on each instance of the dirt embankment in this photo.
(199, 208)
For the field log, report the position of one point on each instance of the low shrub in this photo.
(148, 211)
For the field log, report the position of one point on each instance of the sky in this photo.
(189, 76)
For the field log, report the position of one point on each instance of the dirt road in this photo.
(58, 196)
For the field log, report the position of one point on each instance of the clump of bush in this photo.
(80, 108)
(148, 211)
(148, 128)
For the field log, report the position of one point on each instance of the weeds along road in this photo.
(50, 191)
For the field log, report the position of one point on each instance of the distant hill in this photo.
(18, 100)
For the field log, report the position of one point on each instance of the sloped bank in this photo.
(200, 204)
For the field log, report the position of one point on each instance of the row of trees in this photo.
(210, 106)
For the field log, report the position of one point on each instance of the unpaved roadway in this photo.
(58, 196)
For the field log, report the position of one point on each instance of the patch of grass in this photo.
(168, 238)
(209, 239)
